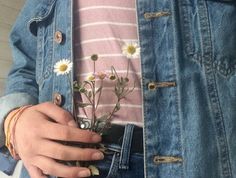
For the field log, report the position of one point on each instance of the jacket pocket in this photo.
(223, 1)
(44, 53)
(41, 25)
(222, 15)
(42, 12)
(189, 20)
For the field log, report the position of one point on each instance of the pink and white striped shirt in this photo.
(102, 27)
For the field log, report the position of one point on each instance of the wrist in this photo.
(9, 129)
(8, 119)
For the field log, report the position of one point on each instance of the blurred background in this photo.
(9, 10)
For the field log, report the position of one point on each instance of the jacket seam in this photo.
(212, 89)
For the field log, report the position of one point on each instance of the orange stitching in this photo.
(167, 159)
(149, 15)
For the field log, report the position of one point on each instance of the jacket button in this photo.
(152, 85)
(57, 99)
(58, 37)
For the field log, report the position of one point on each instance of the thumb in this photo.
(56, 113)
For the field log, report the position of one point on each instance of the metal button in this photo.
(156, 160)
(152, 85)
(57, 99)
(58, 37)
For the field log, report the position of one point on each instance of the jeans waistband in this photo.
(116, 134)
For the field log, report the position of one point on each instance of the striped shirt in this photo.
(102, 27)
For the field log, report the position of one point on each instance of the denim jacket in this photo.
(188, 62)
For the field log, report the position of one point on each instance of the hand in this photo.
(38, 129)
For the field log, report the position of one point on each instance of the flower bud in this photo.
(94, 57)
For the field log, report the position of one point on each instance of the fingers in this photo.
(63, 152)
(52, 167)
(60, 132)
(35, 172)
(56, 113)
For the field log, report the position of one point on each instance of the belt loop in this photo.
(126, 147)
(114, 165)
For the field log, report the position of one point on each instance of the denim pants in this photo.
(119, 162)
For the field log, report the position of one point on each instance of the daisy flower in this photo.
(63, 67)
(94, 57)
(131, 50)
(112, 77)
(90, 77)
(101, 75)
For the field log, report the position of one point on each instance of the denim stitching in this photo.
(114, 166)
(150, 15)
(186, 29)
(167, 159)
(224, 67)
(177, 94)
(126, 146)
(212, 89)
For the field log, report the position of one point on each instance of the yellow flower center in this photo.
(63, 67)
(131, 49)
(91, 77)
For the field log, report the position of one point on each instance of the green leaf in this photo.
(126, 79)
(94, 170)
(77, 163)
(76, 90)
(99, 89)
(121, 79)
(117, 107)
(90, 94)
(82, 90)
(83, 105)
(102, 118)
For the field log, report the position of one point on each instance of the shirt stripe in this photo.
(105, 7)
(102, 27)
(107, 23)
(105, 39)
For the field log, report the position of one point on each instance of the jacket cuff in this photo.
(10, 102)
(8, 164)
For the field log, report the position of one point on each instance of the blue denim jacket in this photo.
(189, 127)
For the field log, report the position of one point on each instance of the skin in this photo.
(38, 129)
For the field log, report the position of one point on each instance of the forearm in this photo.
(10, 102)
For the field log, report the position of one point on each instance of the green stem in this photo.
(74, 113)
(99, 96)
(93, 106)
(110, 117)
(128, 67)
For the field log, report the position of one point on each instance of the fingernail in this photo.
(96, 138)
(97, 156)
(72, 123)
(84, 173)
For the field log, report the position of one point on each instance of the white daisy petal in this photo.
(62, 67)
(131, 50)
